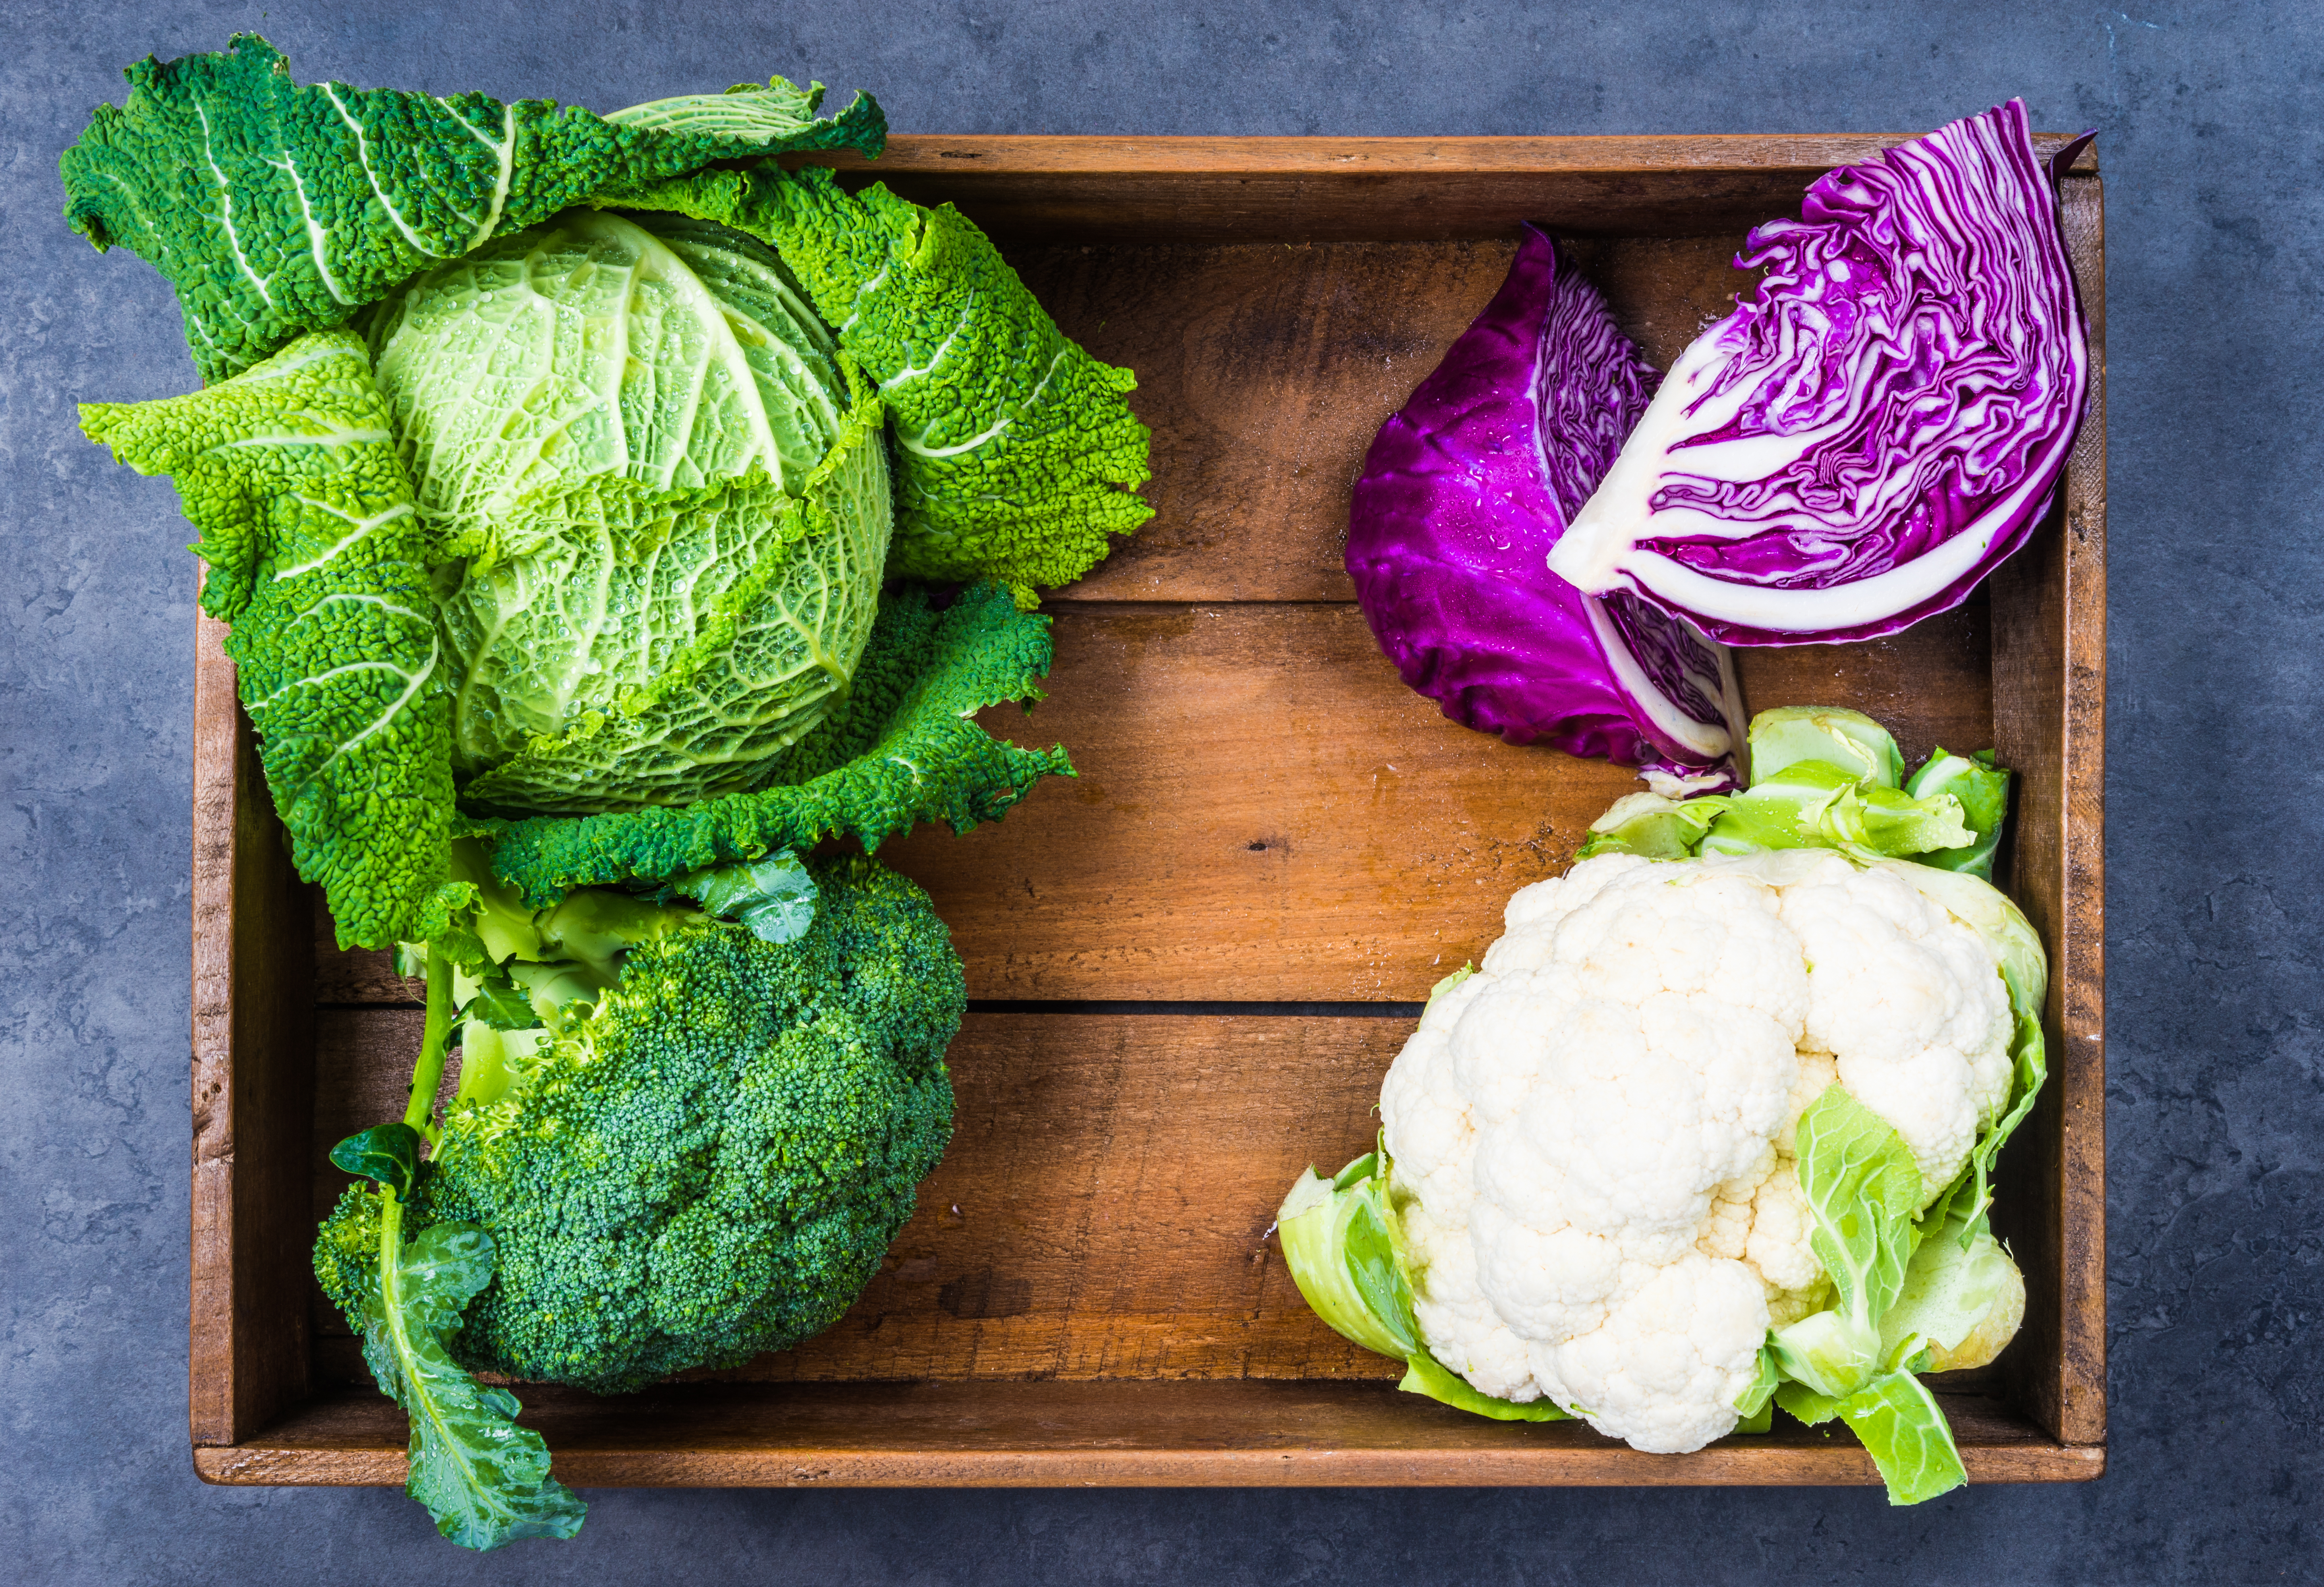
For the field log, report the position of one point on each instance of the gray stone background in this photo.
(2210, 118)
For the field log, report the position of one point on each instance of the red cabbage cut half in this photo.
(1463, 495)
(1877, 425)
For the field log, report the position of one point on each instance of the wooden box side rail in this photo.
(1118, 1434)
(254, 1079)
(1029, 189)
(2049, 678)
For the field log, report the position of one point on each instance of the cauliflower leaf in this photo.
(1345, 1249)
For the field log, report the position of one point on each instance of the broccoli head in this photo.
(705, 1158)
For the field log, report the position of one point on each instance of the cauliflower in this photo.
(1593, 1135)
(1712, 1129)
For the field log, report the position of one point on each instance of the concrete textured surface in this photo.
(2216, 1103)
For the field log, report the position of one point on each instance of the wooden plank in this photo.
(2050, 694)
(1266, 370)
(1089, 190)
(1266, 813)
(247, 1360)
(1097, 1434)
(1102, 1211)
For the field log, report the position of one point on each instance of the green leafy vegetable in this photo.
(1857, 1360)
(1862, 1193)
(705, 1154)
(1905, 1433)
(388, 1154)
(1016, 455)
(1858, 746)
(1982, 790)
(2026, 971)
(1654, 826)
(774, 897)
(483, 1478)
(903, 747)
(276, 209)
(316, 558)
(1962, 1301)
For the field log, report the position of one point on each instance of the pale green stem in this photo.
(435, 1042)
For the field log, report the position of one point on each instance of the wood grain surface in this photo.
(1095, 1435)
(2049, 660)
(1263, 815)
(1320, 190)
(252, 1079)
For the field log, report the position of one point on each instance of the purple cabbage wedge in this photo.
(1463, 494)
(1876, 427)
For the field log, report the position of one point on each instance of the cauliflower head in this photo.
(1591, 1135)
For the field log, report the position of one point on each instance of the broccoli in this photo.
(685, 1143)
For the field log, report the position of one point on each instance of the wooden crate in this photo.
(1266, 821)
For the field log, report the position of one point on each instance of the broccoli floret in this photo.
(708, 1162)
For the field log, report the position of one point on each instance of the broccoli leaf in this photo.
(774, 897)
(903, 747)
(1017, 457)
(276, 209)
(1862, 1191)
(388, 1154)
(318, 560)
(483, 1478)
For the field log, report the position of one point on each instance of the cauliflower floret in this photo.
(1912, 1005)
(1663, 1371)
(1592, 1134)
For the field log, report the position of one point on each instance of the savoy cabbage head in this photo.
(668, 491)
(562, 468)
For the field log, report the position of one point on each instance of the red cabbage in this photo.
(1877, 426)
(1462, 494)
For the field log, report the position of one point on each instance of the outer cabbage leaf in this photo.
(1880, 422)
(1465, 492)
(319, 562)
(902, 748)
(1017, 457)
(275, 209)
